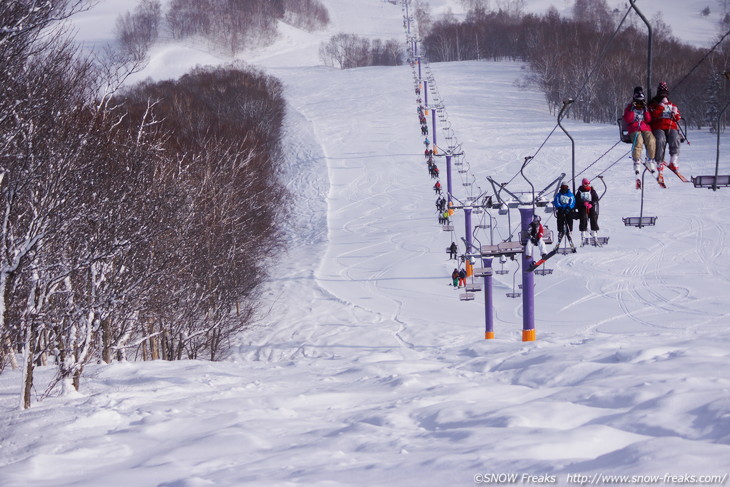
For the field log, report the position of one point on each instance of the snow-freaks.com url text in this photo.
(599, 479)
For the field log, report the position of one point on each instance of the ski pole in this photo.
(684, 134)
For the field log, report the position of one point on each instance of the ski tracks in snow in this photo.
(340, 211)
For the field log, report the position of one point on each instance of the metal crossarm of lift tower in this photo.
(521, 198)
(451, 151)
(486, 203)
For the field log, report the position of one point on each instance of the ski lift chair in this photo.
(482, 271)
(601, 241)
(507, 249)
(474, 287)
(467, 296)
(514, 294)
(543, 271)
(639, 221)
(711, 182)
(448, 228)
(623, 131)
(547, 236)
(565, 249)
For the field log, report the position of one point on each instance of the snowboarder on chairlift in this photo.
(535, 234)
(664, 126)
(586, 200)
(638, 118)
(564, 202)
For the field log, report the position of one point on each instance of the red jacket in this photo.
(536, 231)
(664, 114)
(637, 119)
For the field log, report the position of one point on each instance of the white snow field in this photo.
(367, 370)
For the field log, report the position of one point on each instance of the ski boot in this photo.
(673, 162)
(651, 166)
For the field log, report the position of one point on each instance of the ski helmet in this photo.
(639, 93)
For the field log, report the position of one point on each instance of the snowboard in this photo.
(540, 262)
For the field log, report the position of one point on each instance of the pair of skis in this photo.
(660, 176)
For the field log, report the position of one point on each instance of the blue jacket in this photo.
(564, 200)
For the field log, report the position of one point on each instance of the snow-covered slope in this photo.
(368, 370)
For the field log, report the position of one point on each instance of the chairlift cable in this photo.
(678, 83)
(601, 157)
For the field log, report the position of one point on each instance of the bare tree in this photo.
(139, 30)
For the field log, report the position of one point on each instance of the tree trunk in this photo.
(77, 377)
(28, 367)
(9, 351)
(154, 346)
(106, 341)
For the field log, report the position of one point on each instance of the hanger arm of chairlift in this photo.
(555, 181)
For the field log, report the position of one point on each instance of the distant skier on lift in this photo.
(586, 200)
(564, 202)
(452, 251)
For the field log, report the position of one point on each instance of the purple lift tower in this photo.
(513, 249)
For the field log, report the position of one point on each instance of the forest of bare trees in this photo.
(231, 26)
(347, 51)
(135, 223)
(587, 58)
(239, 24)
